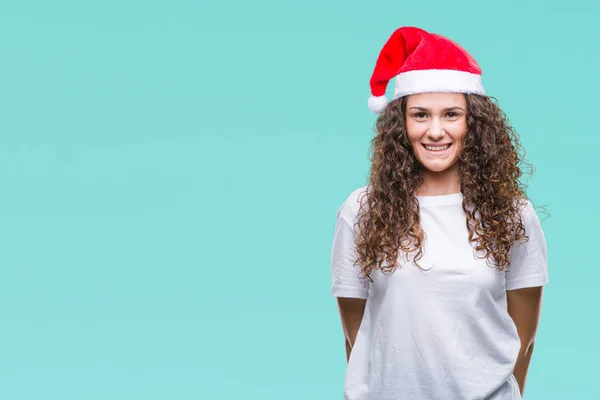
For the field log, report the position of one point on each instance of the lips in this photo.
(438, 145)
(449, 145)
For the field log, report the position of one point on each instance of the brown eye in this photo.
(452, 114)
(419, 115)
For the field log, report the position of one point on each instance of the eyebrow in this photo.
(445, 109)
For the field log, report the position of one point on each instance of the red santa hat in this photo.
(422, 62)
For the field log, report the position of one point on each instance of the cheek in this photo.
(412, 131)
(459, 132)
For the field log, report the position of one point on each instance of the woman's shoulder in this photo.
(351, 205)
(524, 206)
(529, 217)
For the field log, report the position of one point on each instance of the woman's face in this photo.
(436, 119)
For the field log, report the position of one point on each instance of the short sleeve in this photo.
(529, 260)
(346, 279)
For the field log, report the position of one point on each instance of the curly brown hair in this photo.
(489, 172)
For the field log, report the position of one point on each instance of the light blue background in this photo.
(170, 173)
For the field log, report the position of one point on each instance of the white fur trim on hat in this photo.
(437, 80)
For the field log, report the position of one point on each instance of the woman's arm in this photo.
(351, 314)
(524, 307)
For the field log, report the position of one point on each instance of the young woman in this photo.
(438, 263)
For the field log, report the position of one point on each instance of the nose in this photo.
(435, 130)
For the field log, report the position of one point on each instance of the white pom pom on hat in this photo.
(378, 104)
(422, 62)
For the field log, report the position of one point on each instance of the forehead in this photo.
(436, 100)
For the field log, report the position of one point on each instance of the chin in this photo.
(437, 167)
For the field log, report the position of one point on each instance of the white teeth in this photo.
(437, 148)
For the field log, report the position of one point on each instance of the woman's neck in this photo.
(439, 183)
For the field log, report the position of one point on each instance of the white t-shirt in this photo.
(441, 334)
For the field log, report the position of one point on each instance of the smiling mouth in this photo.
(437, 149)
